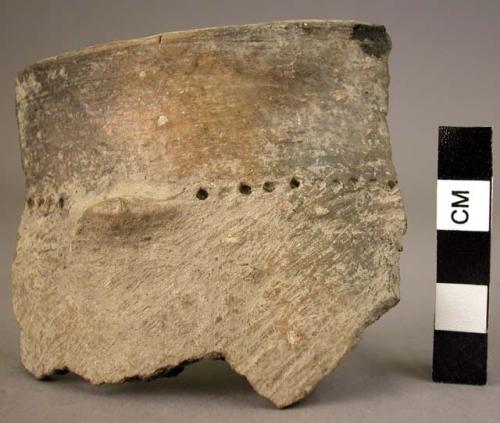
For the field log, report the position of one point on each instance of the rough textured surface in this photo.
(217, 193)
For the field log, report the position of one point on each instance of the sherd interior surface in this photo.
(216, 193)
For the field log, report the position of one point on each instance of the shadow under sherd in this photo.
(204, 378)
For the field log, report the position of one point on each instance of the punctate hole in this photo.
(268, 186)
(294, 183)
(392, 184)
(245, 189)
(202, 194)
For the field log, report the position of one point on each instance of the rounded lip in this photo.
(190, 34)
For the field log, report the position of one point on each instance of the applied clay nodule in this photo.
(215, 193)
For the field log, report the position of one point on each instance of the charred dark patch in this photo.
(373, 39)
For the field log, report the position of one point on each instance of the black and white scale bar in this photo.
(463, 255)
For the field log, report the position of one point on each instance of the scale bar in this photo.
(463, 255)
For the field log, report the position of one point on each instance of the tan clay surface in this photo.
(217, 193)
